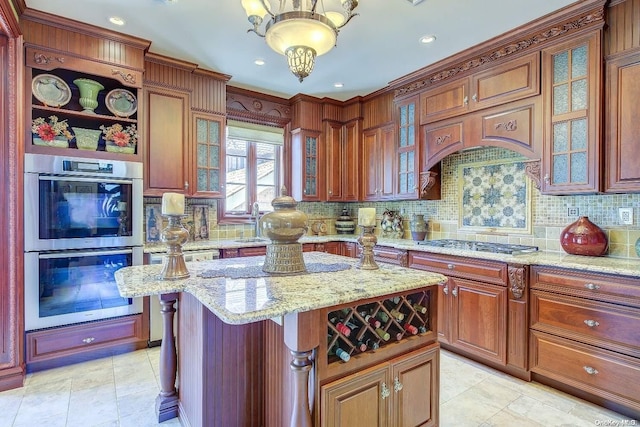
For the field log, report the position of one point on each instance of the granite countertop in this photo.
(621, 266)
(240, 301)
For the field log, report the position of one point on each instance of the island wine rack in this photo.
(372, 326)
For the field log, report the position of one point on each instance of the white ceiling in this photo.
(376, 47)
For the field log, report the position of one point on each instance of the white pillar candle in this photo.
(172, 204)
(367, 216)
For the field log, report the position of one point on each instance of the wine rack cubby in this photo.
(372, 326)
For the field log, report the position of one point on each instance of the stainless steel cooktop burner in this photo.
(470, 245)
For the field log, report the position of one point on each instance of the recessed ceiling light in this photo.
(259, 62)
(338, 84)
(427, 39)
(116, 20)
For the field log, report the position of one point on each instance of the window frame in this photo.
(252, 184)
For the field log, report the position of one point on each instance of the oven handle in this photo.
(81, 179)
(83, 253)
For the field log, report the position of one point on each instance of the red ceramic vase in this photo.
(584, 238)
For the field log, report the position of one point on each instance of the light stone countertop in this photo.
(620, 266)
(240, 301)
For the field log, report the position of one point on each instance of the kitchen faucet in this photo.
(255, 213)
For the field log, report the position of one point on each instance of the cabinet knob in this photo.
(475, 97)
(397, 385)
(186, 185)
(465, 100)
(591, 286)
(454, 292)
(451, 266)
(445, 290)
(589, 370)
(384, 391)
(330, 192)
(591, 323)
(546, 178)
(88, 340)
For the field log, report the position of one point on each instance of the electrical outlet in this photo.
(573, 212)
(626, 216)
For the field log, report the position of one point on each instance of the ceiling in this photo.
(376, 47)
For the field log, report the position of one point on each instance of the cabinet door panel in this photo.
(335, 161)
(479, 320)
(351, 161)
(355, 400)
(167, 133)
(386, 166)
(623, 110)
(416, 402)
(449, 100)
(514, 80)
(370, 145)
(442, 139)
(208, 156)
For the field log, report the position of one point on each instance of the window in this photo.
(253, 168)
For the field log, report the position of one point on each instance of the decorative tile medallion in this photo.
(495, 197)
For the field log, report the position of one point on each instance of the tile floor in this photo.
(108, 392)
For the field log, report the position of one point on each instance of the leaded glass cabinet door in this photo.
(572, 86)
(407, 155)
(307, 172)
(208, 159)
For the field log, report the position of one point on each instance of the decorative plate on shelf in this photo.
(51, 90)
(121, 102)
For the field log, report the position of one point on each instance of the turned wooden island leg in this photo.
(301, 337)
(167, 400)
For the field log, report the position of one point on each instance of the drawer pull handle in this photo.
(384, 392)
(592, 287)
(445, 290)
(397, 385)
(591, 323)
(88, 340)
(451, 266)
(454, 292)
(589, 370)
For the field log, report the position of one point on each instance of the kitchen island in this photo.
(238, 327)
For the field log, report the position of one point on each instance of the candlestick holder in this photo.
(174, 235)
(367, 241)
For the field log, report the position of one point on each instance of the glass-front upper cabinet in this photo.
(571, 85)
(407, 155)
(208, 145)
(307, 174)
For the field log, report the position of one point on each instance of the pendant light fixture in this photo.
(300, 29)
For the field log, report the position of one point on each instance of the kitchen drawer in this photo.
(600, 372)
(70, 340)
(605, 325)
(602, 287)
(390, 255)
(486, 271)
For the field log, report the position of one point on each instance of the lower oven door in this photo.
(66, 287)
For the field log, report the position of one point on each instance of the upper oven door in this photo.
(72, 212)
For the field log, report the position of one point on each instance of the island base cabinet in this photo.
(402, 392)
(221, 369)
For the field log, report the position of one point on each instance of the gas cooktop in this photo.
(470, 245)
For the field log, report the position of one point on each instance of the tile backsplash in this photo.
(550, 214)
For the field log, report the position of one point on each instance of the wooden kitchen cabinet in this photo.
(407, 163)
(571, 82)
(207, 156)
(510, 81)
(584, 335)
(243, 252)
(166, 153)
(342, 145)
(482, 309)
(621, 116)
(349, 249)
(400, 393)
(308, 171)
(378, 155)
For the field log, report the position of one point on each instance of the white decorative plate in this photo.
(51, 90)
(121, 102)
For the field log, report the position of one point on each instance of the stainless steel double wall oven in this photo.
(83, 221)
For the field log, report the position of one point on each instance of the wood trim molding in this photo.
(517, 281)
(259, 108)
(427, 181)
(9, 20)
(532, 169)
(510, 48)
